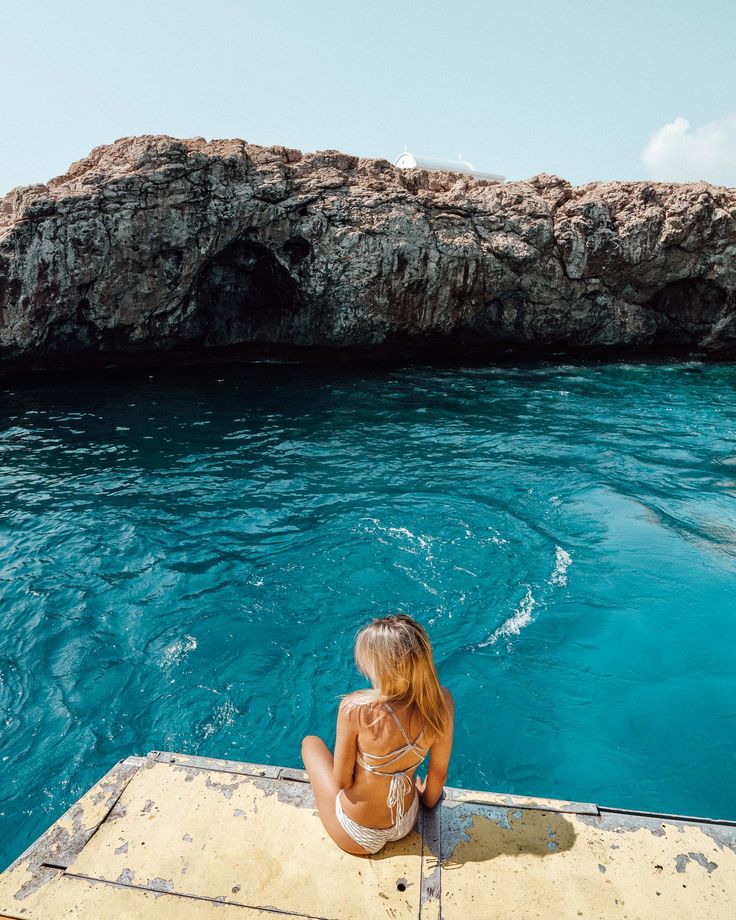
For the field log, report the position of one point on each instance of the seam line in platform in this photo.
(107, 813)
(430, 882)
(194, 897)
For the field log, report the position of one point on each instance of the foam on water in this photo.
(523, 615)
(520, 618)
(563, 561)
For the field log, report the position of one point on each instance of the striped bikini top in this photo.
(400, 784)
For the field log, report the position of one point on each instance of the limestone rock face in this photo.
(158, 245)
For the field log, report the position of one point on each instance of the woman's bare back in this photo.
(378, 738)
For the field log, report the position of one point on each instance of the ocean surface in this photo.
(185, 557)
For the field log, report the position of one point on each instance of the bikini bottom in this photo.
(373, 839)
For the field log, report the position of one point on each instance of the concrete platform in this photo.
(175, 836)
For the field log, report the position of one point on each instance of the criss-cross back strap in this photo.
(397, 720)
(374, 768)
(400, 785)
(390, 757)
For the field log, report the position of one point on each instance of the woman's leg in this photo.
(318, 764)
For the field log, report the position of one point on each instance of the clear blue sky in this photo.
(576, 88)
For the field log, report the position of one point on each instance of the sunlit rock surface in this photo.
(153, 245)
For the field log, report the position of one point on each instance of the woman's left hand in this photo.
(420, 784)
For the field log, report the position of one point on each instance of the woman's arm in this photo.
(346, 745)
(430, 790)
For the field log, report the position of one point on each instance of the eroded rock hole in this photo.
(72, 330)
(688, 308)
(297, 249)
(243, 294)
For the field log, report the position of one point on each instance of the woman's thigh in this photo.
(318, 763)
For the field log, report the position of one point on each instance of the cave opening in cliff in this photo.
(243, 294)
(687, 308)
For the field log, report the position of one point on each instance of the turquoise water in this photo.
(185, 558)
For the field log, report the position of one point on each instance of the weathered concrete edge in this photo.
(62, 842)
(466, 796)
(47, 848)
(218, 765)
(451, 795)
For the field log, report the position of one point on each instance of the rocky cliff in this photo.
(189, 248)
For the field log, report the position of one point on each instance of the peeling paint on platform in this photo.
(683, 859)
(61, 843)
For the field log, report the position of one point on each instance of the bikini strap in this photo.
(409, 742)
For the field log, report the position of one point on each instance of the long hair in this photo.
(395, 654)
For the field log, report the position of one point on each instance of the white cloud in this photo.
(677, 153)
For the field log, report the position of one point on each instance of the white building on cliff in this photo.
(408, 160)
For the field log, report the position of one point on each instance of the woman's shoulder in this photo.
(449, 702)
(352, 705)
(356, 698)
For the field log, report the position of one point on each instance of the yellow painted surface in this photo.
(510, 863)
(246, 840)
(175, 836)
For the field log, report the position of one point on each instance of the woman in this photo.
(365, 794)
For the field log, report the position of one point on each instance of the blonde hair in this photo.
(395, 654)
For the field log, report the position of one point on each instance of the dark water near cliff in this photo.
(185, 559)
